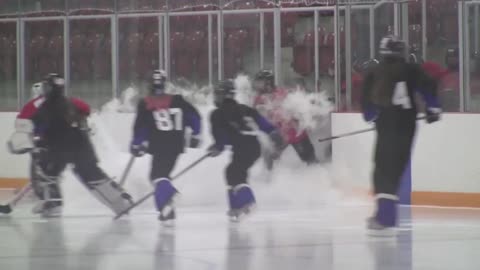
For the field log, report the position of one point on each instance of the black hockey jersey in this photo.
(161, 121)
(392, 84)
(237, 125)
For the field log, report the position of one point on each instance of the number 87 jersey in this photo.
(161, 121)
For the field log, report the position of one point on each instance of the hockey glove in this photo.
(433, 115)
(215, 150)
(278, 143)
(139, 150)
(195, 141)
(370, 113)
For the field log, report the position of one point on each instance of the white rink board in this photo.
(445, 159)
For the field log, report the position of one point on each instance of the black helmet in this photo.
(224, 90)
(159, 81)
(368, 65)
(54, 85)
(264, 81)
(392, 46)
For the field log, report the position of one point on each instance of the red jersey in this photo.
(29, 110)
(270, 106)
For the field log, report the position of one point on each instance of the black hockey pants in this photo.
(395, 134)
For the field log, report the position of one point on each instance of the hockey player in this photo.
(238, 125)
(159, 130)
(21, 142)
(61, 138)
(388, 100)
(268, 102)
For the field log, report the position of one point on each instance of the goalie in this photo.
(53, 129)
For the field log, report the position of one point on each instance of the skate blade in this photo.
(237, 216)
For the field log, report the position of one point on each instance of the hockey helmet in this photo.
(224, 90)
(159, 81)
(392, 46)
(37, 89)
(53, 85)
(264, 81)
(368, 65)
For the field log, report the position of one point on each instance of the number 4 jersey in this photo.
(162, 120)
(392, 86)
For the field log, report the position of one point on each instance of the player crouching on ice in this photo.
(159, 130)
(389, 101)
(61, 134)
(238, 125)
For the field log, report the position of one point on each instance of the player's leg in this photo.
(45, 171)
(394, 143)
(305, 150)
(165, 192)
(384, 218)
(240, 194)
(97, 182)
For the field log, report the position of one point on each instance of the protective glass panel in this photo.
(472, 67)
(43, 7)
(91, 60)
(141, 5)
(91, 7)
(43, 52)
(198, 5)
(9, 8)
(8, 66)
(138, 51)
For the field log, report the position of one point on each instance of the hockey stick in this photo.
(7, 208)
(147, 196)
(356, 132)
(126, 171)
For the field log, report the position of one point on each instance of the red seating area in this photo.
(43, 48)
(90, 49)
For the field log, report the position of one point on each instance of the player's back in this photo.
(164, 119)
(60, 122)
(391, 86)
(237, 122)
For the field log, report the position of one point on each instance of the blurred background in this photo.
(103, 47)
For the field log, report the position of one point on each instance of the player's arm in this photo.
(193, 120)
(267, 127)
(81, 106)
(139, 143)
(427, 88)
(21, 141)
(219, 135)
(369, 110)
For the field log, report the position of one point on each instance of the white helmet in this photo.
(37, 89)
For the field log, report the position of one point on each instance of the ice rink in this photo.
(304, 220)
(331, 237)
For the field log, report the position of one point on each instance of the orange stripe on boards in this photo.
(449, 199)
(14, 183)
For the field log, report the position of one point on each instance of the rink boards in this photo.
(444, 167)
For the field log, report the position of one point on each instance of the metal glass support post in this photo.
(404, 24)
(466, 56)
(66, 54)
(19, 63)
(372, 32)
(424, 29)
(315, 50)
(461, 51)
(337, 57)
(396, 19)
(277, 51)
(220, 43)
(114, 33)
(476, 26)
(161, 38)
(262, 40)
(21, 60)
(348, 56)
(210, 50)
(166, 44)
